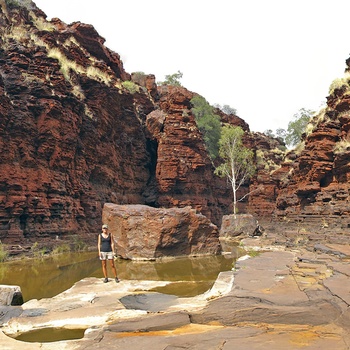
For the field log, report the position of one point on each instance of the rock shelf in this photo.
(297, 298)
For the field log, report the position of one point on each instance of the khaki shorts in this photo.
(106, 256)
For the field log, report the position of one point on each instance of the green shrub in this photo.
(38, 252)
(63, 248)
(253, 253)
(341, 146)
(18, 3)
(208, 123)
(3, 253)
(339, 83)
(172, 79)
(130, 86)
(78, 244)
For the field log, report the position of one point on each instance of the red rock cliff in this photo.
(71, 136)
(316, 188)
(77, 131)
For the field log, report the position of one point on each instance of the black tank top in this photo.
(106, 245)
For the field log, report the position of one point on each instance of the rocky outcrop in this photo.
(183, 173)
(143, 232)
(67, 128)
(77, 131)
(317, 188)
(269, 157)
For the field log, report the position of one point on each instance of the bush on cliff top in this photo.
(17, 3)
(208, 123)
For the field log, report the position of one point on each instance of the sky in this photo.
(265, 58)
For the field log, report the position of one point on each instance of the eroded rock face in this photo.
(269, 156)
(67, 128)
(73, 137)
(317, 188)
(143, 232)
(183, 173)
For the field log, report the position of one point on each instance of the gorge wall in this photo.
(77, 131)
(314, 182)
(308, 187)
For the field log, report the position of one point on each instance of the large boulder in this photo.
(238, 226)
(144, 232)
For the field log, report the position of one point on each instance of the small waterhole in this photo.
(47, 335)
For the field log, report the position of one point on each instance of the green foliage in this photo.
(341, 146)
(208, 123)
(269, 132)
(238, 160)
(339, 83)
(226, 109)
(281, 133)
(3, 253)
(130, 86)
(63, 248)
(78, 244)
(253, 253)
(172, 79)
(297, 126)
(37, 251)
(17, 3)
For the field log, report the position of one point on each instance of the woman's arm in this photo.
(112, 243)
(99, 244)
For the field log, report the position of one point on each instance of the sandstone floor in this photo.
(280, 299)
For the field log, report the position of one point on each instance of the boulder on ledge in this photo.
(143, 232)
(236, 226)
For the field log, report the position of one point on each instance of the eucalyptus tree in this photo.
(238, 160)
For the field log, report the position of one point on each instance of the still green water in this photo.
(47, 277)
(48, 335)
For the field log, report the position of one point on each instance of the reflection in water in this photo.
(47, 277)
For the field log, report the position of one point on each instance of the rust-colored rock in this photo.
(77, 131)
(318, 187)
(143, 232)
(73, 136)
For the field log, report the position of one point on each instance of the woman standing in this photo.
(105, 247)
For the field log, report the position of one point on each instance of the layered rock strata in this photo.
(315, 188)
(78, 131)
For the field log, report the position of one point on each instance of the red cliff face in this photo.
(183, 173)
(269, 155)
(318, 188)
(71, 137)
(77, 131)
